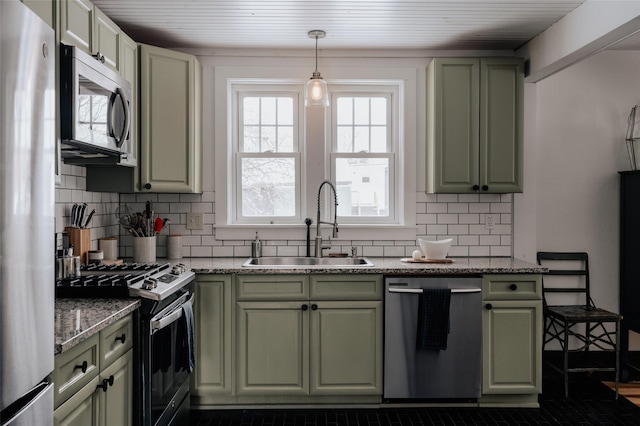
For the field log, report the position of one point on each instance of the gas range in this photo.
(154, 281)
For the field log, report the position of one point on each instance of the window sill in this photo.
(298, 232)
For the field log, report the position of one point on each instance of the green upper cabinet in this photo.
(43, 8)
(85, 26)
(170, 120)
(474, 125)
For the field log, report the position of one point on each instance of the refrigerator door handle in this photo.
(34, 408)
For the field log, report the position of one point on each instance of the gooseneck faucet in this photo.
(319, 245)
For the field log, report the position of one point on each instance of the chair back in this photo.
(568, 275)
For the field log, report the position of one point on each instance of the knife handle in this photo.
(86, 223)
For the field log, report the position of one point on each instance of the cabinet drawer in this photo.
(346, 287)
(74, 369)
(115, 340)
(513, 287)
(272, 287)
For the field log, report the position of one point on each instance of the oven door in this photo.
(169, 361)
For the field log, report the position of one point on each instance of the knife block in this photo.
(80, 239)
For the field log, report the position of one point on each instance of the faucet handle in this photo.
(354, 251)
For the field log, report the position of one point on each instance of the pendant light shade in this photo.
(316, 93)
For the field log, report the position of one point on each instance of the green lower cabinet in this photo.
(212, 377)
(272, 348)
(308, 339)
(94, 379)
(346, 348)
(512, 322)
(82, 409)
(117, 401)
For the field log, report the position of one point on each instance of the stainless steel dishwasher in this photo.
(453, 373)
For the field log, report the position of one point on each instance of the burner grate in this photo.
(107, 281)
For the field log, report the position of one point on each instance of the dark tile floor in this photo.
(589, 403)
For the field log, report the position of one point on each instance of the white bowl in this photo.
(435, 249)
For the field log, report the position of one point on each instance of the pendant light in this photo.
(316, 93)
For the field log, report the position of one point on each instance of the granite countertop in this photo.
(78, 319)
(382, 265)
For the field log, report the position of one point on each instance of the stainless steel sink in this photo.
(307, 261)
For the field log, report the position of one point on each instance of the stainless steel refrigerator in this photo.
(27, 218)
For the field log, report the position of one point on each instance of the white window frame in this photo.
(390, 91)
(262, 89)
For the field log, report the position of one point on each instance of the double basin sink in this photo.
(292, 261)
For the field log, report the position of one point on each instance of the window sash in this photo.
(391, 94)
(237, 198)
(391, 188)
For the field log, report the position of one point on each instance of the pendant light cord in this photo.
(316, 53)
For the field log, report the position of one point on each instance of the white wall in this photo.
(577, 147)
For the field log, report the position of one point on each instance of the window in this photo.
(363, 153)
(277, 160)
(267, 156)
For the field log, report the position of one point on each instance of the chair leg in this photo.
(566, 360)
(617, 356)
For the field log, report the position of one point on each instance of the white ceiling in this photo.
(350, 24)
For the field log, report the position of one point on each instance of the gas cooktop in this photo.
(153, 281)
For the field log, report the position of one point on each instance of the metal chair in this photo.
(581, 322)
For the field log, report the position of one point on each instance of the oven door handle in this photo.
(419, 290)
(161, 321)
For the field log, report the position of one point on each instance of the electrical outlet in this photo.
(489, 222)
(195, 221)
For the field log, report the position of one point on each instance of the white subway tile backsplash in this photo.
(436, 207)
(460, 216)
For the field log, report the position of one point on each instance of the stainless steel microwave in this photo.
(95, 126)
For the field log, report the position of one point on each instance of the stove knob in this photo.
(149, 284)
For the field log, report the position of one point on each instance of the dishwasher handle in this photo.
(419, 290)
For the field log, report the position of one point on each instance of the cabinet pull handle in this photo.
(104, 385)
(314, 307)
(110, 380)
(475, 187)
(488, 306)
(147, 186)
(82, 367)
(513, 287)
(305, 307)
(122, 338)
(485, 188)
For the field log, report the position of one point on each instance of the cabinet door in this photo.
(501, 118)
(346, 348)
(42, 8)
(116, 403)
(453, 124)
(212, 374)
(170, 105)
(82, 409)
(76, 23)
(512, 342)
(129, 70)
(272, 342)
(107, 40)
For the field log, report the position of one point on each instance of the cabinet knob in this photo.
(513, 287)
(305, 307)
(147, 186)
(485, 187)
(122, 338)
(82, 367)
(314, 307)
(488, 306)
(475, 187)
(99, 56)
